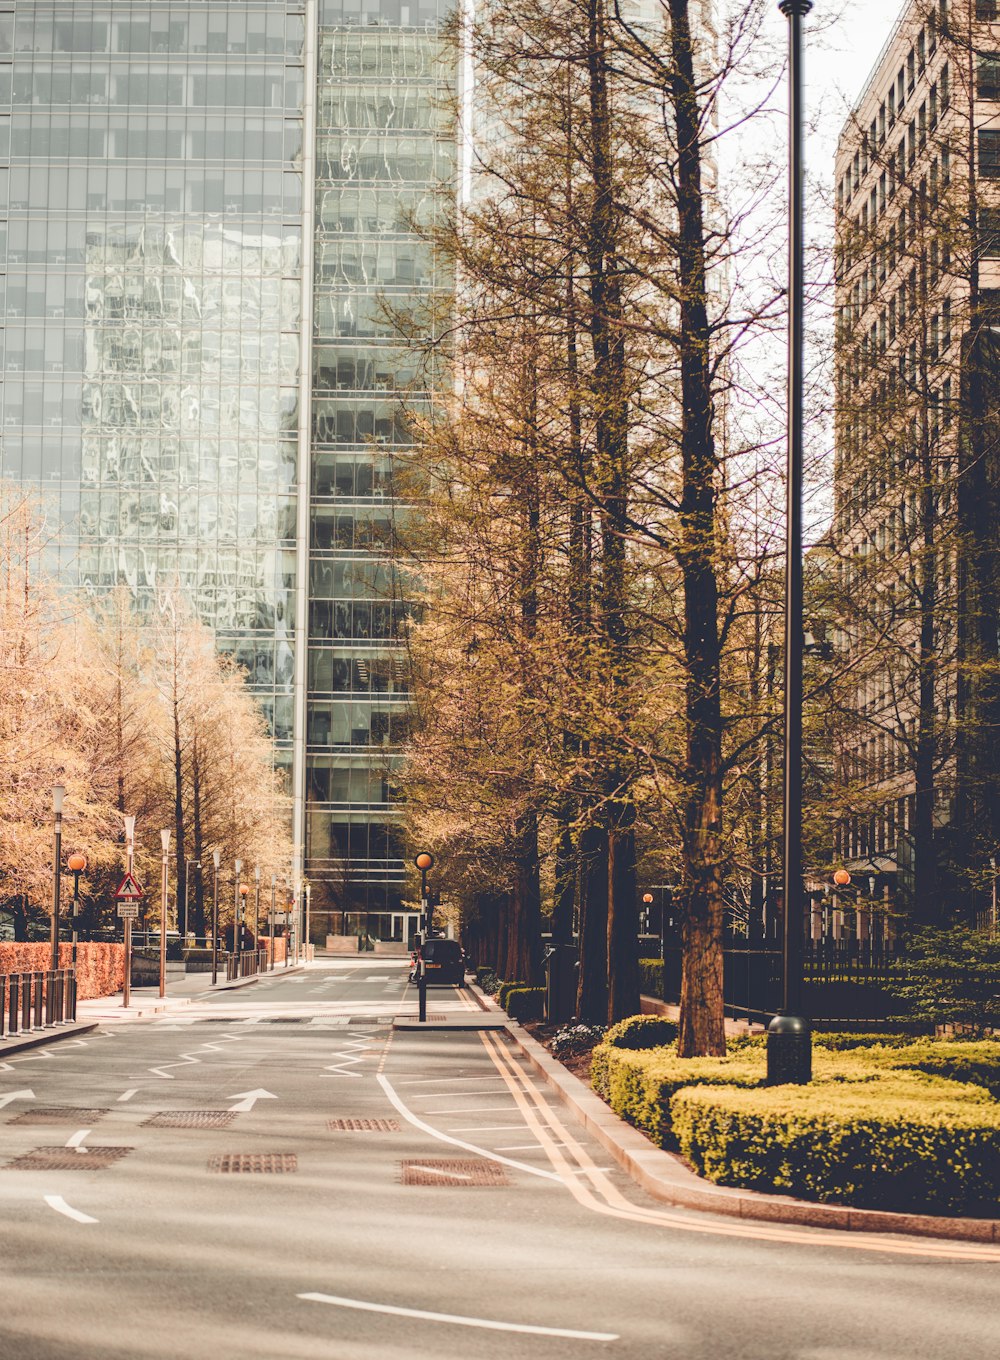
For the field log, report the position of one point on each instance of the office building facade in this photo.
(211, 228)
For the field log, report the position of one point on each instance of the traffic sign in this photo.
(128, 910)
(129, 889)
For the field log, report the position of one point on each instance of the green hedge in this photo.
(971, 1061)
(642, 1031)
(525, 1003)
(505, 989)
(651, 977)
(906, 1142)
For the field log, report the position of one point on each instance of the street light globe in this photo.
(647, 898)
(243, 890)
(425, 860)
(76, 863)
(842, 878)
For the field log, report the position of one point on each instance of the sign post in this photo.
(128, 895)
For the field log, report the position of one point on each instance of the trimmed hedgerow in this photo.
(976, 1061)
(642, 1031)
(505, 989)
(906, 1142)
(651, 977)
(525, 1003)
(639, 1085)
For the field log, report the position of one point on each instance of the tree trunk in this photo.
(592, 991)
(623, 918)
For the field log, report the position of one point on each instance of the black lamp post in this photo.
(424, 862)
(58, 794)
(789, 1041)
(76, 865)
(217, 861)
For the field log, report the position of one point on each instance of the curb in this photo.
(144, 1008)
(667, 1178)
(37, 1038)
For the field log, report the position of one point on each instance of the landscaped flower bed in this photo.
(895, 1125)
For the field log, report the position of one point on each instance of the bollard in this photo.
(789, 1051)
(422, 992)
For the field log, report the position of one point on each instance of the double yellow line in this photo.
(591, 1187)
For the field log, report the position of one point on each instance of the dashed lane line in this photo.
(456, 1320)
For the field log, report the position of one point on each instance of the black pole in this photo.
(215, 930)
(789, 1051)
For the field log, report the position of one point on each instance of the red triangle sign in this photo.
(129, 889)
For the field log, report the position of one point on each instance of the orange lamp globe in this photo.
(842, 878)
(425, 860)
(647, 898)
(77, 863)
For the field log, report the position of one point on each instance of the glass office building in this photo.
(209, 226)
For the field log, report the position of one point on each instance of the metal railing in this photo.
(31, 1001)
(248, 963)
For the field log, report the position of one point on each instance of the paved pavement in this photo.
(412, 1195)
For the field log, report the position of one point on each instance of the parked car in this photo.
(444, 961)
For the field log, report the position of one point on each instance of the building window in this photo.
(989, 233)
(988, 75)
(989, 153)
(986, 9)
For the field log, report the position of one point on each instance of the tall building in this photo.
(211, 219)
(916, 513)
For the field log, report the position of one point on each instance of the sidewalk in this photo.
(181, 992)
(667, 1177)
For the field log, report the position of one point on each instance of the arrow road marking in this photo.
(77, 1140)
(248, 1099)
(363, 1307)
(61, 1207)
(16, 1095)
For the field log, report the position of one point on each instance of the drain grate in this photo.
(363, 1125)
(58, 1114)
(190, 1119)
(255, 1163)
(449, 1171)
(68, 1159)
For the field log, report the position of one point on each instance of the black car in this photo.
(445, 962)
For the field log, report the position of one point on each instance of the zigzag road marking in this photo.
(348, 1059)
(188, 1058)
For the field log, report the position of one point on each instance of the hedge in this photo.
(100, 968)
(906, 1142)
(651, 977)
(504, 990)
(642, 1031)
(525, 1003)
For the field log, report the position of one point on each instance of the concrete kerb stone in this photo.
(37, 1038)
(665, 1177)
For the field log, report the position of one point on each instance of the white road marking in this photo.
(16, 1095)
(418, 1123)
(77, 1140)
(473, 1109)
(61, 1207)
(489, 1128)
(434, 1171)
(127, 1095)
(427, 1081)
(526, 1147)
(456, 1320)
(248, 1099)
(348, 1057)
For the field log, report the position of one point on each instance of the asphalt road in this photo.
(465, 1215)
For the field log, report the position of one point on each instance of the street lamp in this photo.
(308, 887)
(256, 905)
(58, 794)
(189, 864)
(238, 866)
(165, 844)
(129, 861)
(424, 862)
(270, 930)
(789, 1041)
(217, 861)
(76, 865)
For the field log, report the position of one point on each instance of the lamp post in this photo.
(129, 859)
(256, 905)
(58, 794)
(217, 861)
(789, 1042)
(238, 866)
(165, 844)
(189, 864)
(424, 862)
(294, 923)
(76, 865)
(306, 933)
(270, 928)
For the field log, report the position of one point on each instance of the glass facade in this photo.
(167, 365)
(385, 156)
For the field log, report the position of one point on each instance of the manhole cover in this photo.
(190, 1119)
(68, 1159)
(259, 1163)
(58, 1114)
(448, 1171)
(363, 1125)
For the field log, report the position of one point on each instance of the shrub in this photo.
(642, 1031)
(843, 1043)
(487, 980)
(906, 1142)
(572, 1040)
(651, 977)
(638, 1085)
(504, 990)
(952, 978)
(975, 1062)
(525, 1003)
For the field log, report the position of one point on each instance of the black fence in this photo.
(31, 1001)
(246, 964)
(844, 982)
